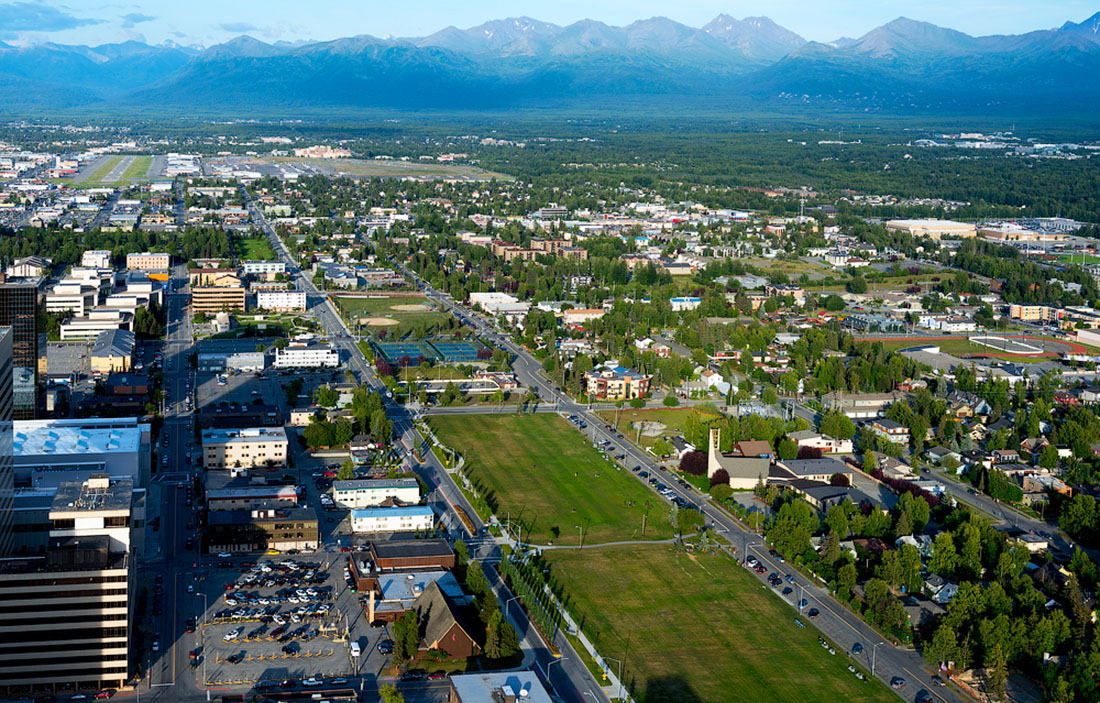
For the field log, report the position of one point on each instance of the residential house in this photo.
(441, 626)
(890, 431)
(939, 589)
(1005, 456)
(816, 440)
(937, 455)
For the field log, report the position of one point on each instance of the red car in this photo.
(106, 693)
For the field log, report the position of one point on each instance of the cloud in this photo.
(135, 18)
(17, 17)
(239, 27)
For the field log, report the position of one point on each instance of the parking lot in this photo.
(281, 619)
(247, 388)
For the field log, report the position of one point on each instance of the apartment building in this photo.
(66, 616)
(244, 448)
(1034, 313)
(148, 261)
(212, 299)
(366, 493)
(616, 384)
(307, 354)
(282, 300)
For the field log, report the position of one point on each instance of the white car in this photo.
(311, 682)
(278, 620)
(232, 635)
(224, 555)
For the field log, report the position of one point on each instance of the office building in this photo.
(306, 355)
(261, 529)
(19, 310)
(416, 518)
(374, 492)
(66, 615)
(263, 269)
(212, 299)
(96, 258)
(281, 300)
(244, 448)
(7, 474)
(507, 687)
(148, 261)
(48, 452)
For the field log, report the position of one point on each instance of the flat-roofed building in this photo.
(113, 351)
(96, 258)
(307, 355)
(66, 616)
(244, 448)
(261, 529)
(415, 518)
(264, 269)
(95, 323)
(934, 229)
(281, 300)
(367, 493)
(212, 300)
(48, 452)
(507, 687)
(148, 261)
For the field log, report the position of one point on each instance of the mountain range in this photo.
(902, 66)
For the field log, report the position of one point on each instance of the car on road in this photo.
(106, 693)
(385, 647)
(312, 682)
(79, 697)
(413, 675)
(338, 681)
(437, 675)
(788, 591)
(923, 697)
(814, 612)
(857, 648)
(938, 681)
(224, 555)
(803, 603)
(897, 682)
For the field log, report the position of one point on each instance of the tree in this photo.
(662, 447)
(1048, 458)
(694, 463)
(769, 396)
(788, 448)
(720, 477)
(670, 401)
(721, 492)
(944, 558)
(944, 646)
(837, 425)
(406, 638)
(347, 471)
(325, 397)
(390, 694)
(845, 581)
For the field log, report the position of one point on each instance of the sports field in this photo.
(542, 471)
(397, 315)
(697, 627)
(962, 346)
(673, 420)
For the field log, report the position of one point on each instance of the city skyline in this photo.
(204, 23)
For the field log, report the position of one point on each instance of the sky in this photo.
(209, 22)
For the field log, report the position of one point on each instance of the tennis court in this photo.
(456, 352)
(392, 351)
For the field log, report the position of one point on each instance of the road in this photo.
(841, 625)
(571, 679)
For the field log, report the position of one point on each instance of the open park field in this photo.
(962, 346)
(543, 472)
(697, 627)
(630, 421)
(255, 249)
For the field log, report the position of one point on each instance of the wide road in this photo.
(840, 624)
(571, 679)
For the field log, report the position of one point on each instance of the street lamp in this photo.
(874, 651)
(546, 669)
(620, 663)
(580, 531)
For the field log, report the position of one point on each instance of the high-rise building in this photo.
(19, 310)
(7, 473)
(66, 615)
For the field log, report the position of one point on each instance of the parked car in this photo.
(897, 682)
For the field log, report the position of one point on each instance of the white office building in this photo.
(281, 300)
(307, 355)
(411, 519)
(262, 268)
(355, 495)
(96, 258)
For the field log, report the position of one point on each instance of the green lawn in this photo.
(961, 347)
(693, 628)
(102, 171)
(672, 418)
(138, 169)
(543, 472)
(255, 249)
(407, 320)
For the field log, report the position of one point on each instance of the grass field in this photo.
(693, 628)
(407, 320)
(255, 249)
(138, 169)
(961, 347)
(673, 419)
(543, 472)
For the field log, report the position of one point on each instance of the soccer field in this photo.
(696, 627)
(546, 474)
